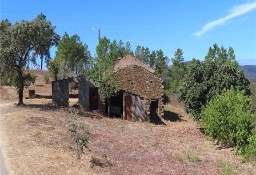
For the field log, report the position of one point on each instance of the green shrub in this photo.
(250, 150)
(32, 78)
(79, 133)
(229, 120)
(206, 79)
(46, 79)
(15, 80)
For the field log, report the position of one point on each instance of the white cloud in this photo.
(234, 12)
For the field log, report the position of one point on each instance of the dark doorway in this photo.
(154, 118)
(115, 105)
(128, 107)
(93, 98)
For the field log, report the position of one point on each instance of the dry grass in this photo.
(38, 142)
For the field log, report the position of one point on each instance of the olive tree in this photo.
(23, 41)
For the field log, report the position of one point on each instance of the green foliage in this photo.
(27, 79)
(142, 54)
(228, 119)
(53, 69)
(250, 149)
(22, 42)
(177, 71)
(109, 86)
(58, 69)
(31, 78)
(253, 90)
(152, 59)
(206, 79)
(107, 54)
(73, 53)
(79, 133)
(162, 66)
(110, 51)
(46, 79)
(5, 79)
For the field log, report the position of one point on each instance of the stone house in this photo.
(139, 97)
(141, 91)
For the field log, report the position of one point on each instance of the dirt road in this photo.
(3, 168)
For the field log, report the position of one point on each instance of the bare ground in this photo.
(37, 141)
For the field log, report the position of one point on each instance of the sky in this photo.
(193, 26)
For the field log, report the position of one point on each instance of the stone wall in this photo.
(60, 92)
(139, 81)
(84, 86)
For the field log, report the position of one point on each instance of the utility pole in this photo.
(99, 35)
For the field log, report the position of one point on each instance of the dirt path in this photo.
(4, 165)
(3, 169)
(35, 140)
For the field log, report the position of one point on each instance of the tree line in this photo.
(73, 56)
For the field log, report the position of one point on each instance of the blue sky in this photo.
(193, 26)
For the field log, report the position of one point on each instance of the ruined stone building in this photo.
(141, 91)
(139, 96)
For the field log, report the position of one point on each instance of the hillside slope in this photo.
(250, 71)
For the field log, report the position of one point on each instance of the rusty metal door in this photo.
(128, 107)
(93, 98)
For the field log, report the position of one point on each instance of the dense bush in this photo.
(253, 89)
(206, 79)
(229, 120)
(250, 150)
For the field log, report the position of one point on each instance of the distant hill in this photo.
(250, 71)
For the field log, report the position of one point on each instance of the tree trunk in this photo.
(108, 107)
(42, 63)
(21, 88)
(28, 64)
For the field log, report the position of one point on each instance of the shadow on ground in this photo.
(172, 116)
(43, 107)
(157, 121)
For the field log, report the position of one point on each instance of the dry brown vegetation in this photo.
(37, 141)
